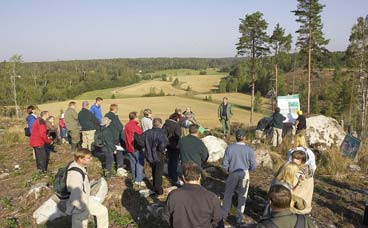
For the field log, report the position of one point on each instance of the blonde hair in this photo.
(287, 173)
(300, 141)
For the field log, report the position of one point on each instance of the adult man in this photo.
(276, 124)
(96, 109)
(238, 160)
(225, 112)
(72, 124)
(135, 154)
(146, 121)
(88, 123)
(38, 141)
(80, 205)
(192, 149)
(192, 205)
(173, 133)
(281, 215)
(155, 141)
(116, 124)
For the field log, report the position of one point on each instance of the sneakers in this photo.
(121, 172)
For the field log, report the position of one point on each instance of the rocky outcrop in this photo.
(263, 158)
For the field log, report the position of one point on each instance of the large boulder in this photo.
(54, 208)
(324, 131)
(216, 147)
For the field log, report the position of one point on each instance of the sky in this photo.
(46, 30)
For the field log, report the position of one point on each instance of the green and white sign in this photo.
(289, 105)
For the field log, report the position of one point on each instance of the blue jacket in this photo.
(31, 118)
(239, 156)
(96, 110)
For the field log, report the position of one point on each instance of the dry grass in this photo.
(201, 83)
(162, 107)
(141, 89)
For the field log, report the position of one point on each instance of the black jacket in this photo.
(117, 127)
(173, 133)
(155, 142)
(193, 206)
(87, 120)
(302, 123)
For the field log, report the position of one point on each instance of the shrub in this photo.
(203, 72)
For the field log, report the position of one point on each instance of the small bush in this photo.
(113, 96)
(331, 162)
(203, 72)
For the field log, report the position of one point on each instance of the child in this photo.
(62, 128)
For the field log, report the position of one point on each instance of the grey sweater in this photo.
(239, 156)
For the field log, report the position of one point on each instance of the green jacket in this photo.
(192, 149)
(229, 111)
(117, 127)
(87, 120)
(286, 219)
(277, 119)
(71, 119)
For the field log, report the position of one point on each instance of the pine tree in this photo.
(253, 43)
(310, 39)
(280, 43)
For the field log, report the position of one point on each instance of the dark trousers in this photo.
(172, 166)
(42, 158)
(110, 157)
(157, 171)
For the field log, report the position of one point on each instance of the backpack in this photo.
(60, 187)
(99, 137)
(300, 222)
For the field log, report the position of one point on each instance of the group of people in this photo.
(175, 140)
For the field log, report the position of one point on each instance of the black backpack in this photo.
(99, 137)
(300, 222)
(60, 187)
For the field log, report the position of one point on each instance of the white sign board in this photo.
(289, 105)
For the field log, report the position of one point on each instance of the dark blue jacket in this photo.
(155, 142)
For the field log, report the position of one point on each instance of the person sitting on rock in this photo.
(280, 197)
(238, 160)
(80, 205)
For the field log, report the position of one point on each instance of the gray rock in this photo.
(37, 189)
(354, 168)
(4, 176)
(263, 158)
(216, 147)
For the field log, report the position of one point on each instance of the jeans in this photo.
(172, 166)
(136, 160)
(109, 159)
(42, 158)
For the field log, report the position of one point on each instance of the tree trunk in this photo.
(309, 68)
(276, 83)
(252, 100)
(13, 77)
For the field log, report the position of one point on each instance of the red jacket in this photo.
(130, 128)
(38, 136)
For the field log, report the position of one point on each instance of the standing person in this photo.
(31, 118)
(173, 133)
(88, 123)
(135, 154)
(155, 142)
(301, 123)
(72, 124)
(280, 197)
(192, 205)
(146, 121)
(80, 205)
(108, 148)
(225, 112)
(52, 133)
(62, 128)
(38, 141)
(192, 149)
(276, 124)
(96, 109)
(238, 160)
(116, 124)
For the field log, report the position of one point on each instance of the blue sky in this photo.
(46, 30)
